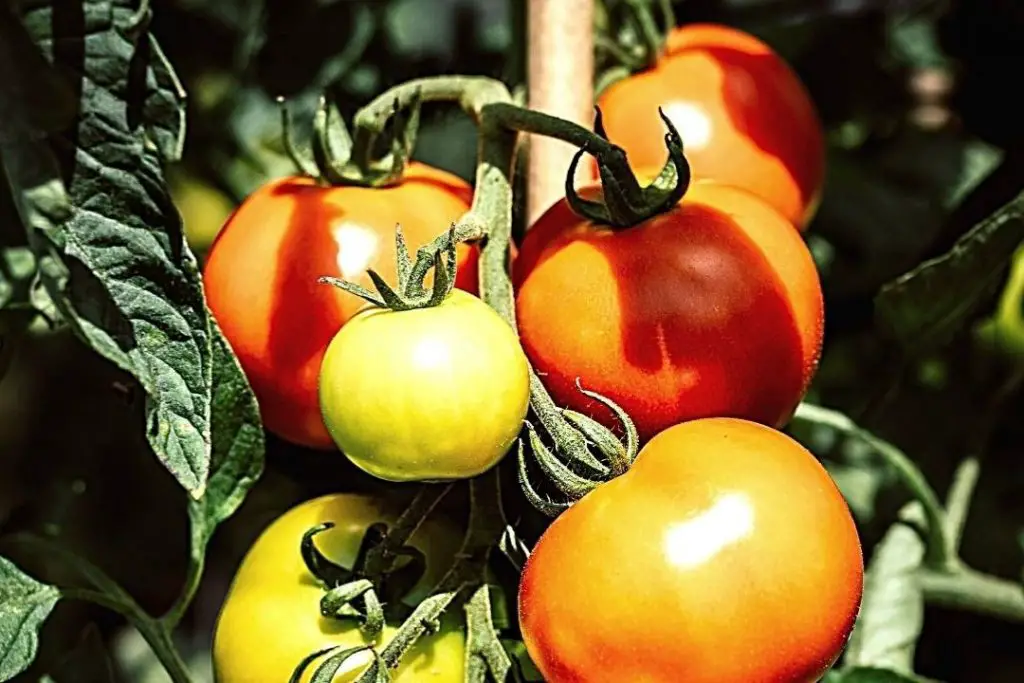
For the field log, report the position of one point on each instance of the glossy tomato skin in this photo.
(725, 555)
(711, 309)
(427, 394)
(261, 277)
(270, 618)
(744, 116)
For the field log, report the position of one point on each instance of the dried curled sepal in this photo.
(624, 202)
(540, 503)
(560, 476)
(297, 156)
(325, 571)
(631, 446)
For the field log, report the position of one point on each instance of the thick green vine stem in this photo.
(585, 449)
(944, 578)
(939, 553)
(411, 292)
(102, 590)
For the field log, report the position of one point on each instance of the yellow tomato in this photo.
(1004, 330)
(271, 619)
(203, 208)
(426, 394)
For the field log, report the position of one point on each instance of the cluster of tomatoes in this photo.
(725, 553)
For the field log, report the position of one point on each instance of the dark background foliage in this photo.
(925, 140)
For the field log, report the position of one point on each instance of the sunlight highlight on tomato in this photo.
(261, 277)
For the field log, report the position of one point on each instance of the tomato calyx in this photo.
(336, 656)
(340, 159)
(571, 477)
(624, 203)
(350, 593)
(411, 293)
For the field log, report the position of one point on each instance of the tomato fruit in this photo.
(262, 270)
(1003, 331)
(744, 116)
(270, 619)
(713, 308)
(725, 555)
(425, 394)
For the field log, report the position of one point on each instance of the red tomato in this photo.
(261, 277)
(725, 555)
(745, 118)
(712, 308)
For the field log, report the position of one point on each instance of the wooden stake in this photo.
(560, 68)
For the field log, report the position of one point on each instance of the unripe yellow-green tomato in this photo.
(427, 394)
(203, 208)
(1004, 330)
(271, 618)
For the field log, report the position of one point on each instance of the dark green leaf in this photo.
(24, 606)
(238, 446)
(925, 307)
(885, 203)
(34, 100)
(118, 267)
(88, 662)
(892, 612)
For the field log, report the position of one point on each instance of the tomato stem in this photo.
(484, 652)
(380, 558)
(490, 216)
(651, 36)
(973, 591)
(107, 593)
(486, 525)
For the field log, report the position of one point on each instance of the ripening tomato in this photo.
(712, 308)
(426, 394)
(270, 619)
(744, 116)
(725, 555)
(262, 270)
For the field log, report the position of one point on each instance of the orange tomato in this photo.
(725, 555)
(713, 308)
(261, 277)
(744, 116)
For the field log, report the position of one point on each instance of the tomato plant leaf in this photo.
(238, 446)
(117, 262)
(24, 605)
(892, 612)
(926, 306)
